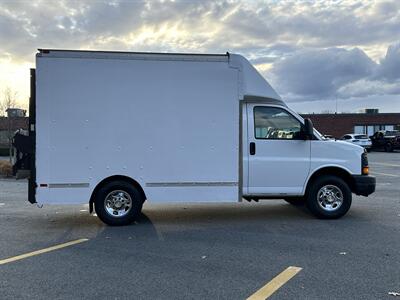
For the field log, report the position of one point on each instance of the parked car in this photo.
(358, 139)
(386, 140)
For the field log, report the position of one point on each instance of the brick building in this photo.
(339, 124)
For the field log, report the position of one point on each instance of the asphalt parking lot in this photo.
(218, 251)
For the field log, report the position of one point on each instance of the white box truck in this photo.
(113, 129)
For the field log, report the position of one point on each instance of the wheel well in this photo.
(343, 174)
(114, 178)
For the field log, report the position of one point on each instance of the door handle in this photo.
(252, 148)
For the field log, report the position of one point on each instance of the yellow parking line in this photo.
(45, 250)
(384, 174)
(272, 286)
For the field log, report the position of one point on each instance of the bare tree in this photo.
(8, 100)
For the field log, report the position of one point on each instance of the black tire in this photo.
(330, 182)
(119, 188)
(296, 201)
(388, 147)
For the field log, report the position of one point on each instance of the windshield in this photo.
(316, 132)
(320, 135)
(360, 136)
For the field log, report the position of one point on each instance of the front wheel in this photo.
(329, 197)
(118, 203)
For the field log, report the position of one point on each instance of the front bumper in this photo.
(364, 185)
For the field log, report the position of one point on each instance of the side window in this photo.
(273, 123)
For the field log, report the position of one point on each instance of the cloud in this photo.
(317, 74)
(384, 80)
(37, 24)
(389, 67)
(203, 25)
(321, 74)
(365, 87)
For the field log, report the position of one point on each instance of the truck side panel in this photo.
(170, 125)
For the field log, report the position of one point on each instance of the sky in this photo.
(318, 55)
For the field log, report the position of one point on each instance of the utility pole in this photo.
(336, 105)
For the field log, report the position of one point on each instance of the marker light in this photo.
(365, 170)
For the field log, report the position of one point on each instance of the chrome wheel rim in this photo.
(330, 197)
(118, 203)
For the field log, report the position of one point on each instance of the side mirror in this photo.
(308, 129)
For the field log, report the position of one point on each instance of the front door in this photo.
(278, 155)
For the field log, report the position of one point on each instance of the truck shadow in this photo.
(73, 223)
(189, 213)
(159, 223)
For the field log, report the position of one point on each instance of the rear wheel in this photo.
(296, 201)
(118, 203)
(329, 197)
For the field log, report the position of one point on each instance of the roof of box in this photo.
(131, 55)
(252, 82)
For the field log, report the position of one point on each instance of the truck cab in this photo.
(286, 158)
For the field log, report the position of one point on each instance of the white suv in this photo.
(358, 139)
